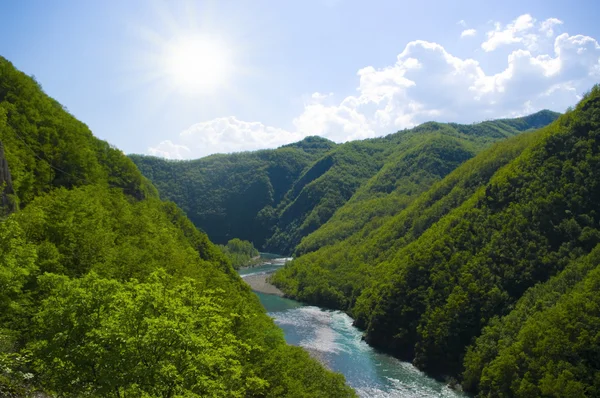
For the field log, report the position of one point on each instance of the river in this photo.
(330, 336)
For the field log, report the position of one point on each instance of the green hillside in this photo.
(417, 159)
(233, 196)
(241, 253)
(336, 274)
(306, 195)
(491, 272)
(105, 290)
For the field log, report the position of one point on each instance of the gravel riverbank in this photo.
(259, 283)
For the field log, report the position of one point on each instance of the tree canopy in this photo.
(240, 252)
(490, 275)
(105, 290)
(305, 195)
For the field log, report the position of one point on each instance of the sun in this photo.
(185, 53)
(197, 65)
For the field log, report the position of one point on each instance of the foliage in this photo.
(46, 147)
(105, 290)
(240, 252)
(548, 344)
(313, 193)
(341, 268)
(159, 337)
(233, 196)
(459, 262)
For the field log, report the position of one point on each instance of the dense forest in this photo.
(471, 250)
(105, 290)
(302, 196)
(491, 276)
(233, 196)
(240, 252)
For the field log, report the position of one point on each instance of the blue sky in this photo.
(184, 79)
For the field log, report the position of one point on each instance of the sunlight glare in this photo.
(197, 65)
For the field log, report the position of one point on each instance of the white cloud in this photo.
(317, 96)
(426, 82)
(167, 149)
(547, 27)
(468, 32)
(338, 123)
(515, 32)
(224, 135)
(462, 23)
(429, 83)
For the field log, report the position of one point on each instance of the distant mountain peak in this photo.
(311, 144)
(540, 118)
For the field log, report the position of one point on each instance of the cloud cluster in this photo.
(547, 26)
(519, 31)
(468, 33)
(223, 135)
(167, 149)
(427, 82)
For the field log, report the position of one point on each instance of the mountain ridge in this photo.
(109, 291)
(323, 178)
(467, 279)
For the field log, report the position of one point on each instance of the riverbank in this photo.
(259, 283)
(330, 337)
(263, 259)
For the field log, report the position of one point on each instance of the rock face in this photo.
(6, 188)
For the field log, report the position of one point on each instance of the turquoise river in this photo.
(330, 336)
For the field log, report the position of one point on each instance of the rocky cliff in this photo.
(6, 188)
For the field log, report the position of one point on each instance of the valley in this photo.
(448, 245)
(445, 254)
(331, 338)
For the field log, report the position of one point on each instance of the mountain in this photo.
(418, 158)
(108, 291)
(302, 196)
(233, 196)
(490, 276)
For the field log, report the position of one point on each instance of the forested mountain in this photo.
(233, 196)
(415, 160)
(105, 290)
(492, 275)
(312, 193)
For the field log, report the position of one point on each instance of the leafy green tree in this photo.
(475, 279)
(300, 197)
(17, 264)
(105, 290)
(240, 252)
(100, 336)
